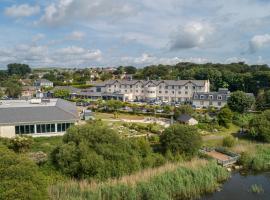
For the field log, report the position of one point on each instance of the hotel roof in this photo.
(25, 111)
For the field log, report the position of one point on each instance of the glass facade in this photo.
(42, 128)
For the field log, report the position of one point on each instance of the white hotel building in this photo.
(146, 90)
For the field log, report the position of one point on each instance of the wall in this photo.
(7, 131)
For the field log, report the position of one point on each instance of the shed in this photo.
(187, 119)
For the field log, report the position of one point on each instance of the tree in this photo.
(20, 178)
(95, 150)
(240, 101)
(130, 70)
(181, 139)
(260, 127)
(263, 100)
(225, 117)
(61, 93)
(13, 88)
(18, 69)
(183, 110)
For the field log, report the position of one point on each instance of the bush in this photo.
(21, 144)
(228, 141)
(181, 139)
(20, 178)
(96, 151)
(225, 117)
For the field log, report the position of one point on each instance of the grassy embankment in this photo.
(172, 181)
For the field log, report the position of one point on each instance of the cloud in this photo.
(65, 11)
(76, 35)
(23, 10)
(38, 37)
(193, 34)
(258, 41)
(42, 55)
(147, 59)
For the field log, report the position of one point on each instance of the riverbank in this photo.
(188, 180)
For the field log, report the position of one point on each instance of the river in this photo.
(238, 188)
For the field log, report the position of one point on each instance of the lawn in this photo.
(46, 144)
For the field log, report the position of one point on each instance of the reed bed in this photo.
(172, 181)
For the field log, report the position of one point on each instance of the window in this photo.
(172, 86)
(166, 92)
(166, 87)
(219, 97)
(186, 87)
(210, 96)
(179, 87)
(159, 92)
(194, 87)
(160, 87)
(219, 103)
(202, 103)
(172, 92)
(186, 92)
(25, 129)
(179, 92)
(201, 96)
(196, 96)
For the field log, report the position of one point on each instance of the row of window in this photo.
(42, 128)
(160, 92)
(210, 103)
(219, 97)
(160, 87)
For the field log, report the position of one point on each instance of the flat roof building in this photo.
(36, 117)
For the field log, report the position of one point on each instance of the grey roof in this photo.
(213, 96)
(22, 112)
(69, 88)
(155, 82)
(184, 118)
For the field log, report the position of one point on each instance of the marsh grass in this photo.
(171, 181)
(256, 189)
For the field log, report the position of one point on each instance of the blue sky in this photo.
(84, 33)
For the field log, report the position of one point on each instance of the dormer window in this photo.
(211, 97)
(219, 97)
(202, 97)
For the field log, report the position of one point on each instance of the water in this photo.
(238, 187)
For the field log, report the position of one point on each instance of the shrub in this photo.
(181, 139)
(225, 117)
(21, 144)
(228, 141)
(96, 151)
(20, 178)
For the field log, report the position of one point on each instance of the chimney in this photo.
(147, 78)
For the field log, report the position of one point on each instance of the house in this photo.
(214, 99)
(43, 83)
(36, 117)
(28, 91)
(147, 90)
(187, 119)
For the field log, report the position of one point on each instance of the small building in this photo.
(36, 117)
(87, 115)
(43, 83)
(187, 119)
(208, 99)
(28, 91)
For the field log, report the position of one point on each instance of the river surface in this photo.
(238, 188)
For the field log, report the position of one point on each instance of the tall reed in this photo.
(171, 181)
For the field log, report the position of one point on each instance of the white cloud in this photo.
(76, 35)
(147, 59)
(64, 11)
(44, 56)
(23, 10)
(38, 37)
(193, 34)
(258, 41)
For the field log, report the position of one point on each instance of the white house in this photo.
(43, 83)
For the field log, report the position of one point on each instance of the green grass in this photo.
(182, 182)
(45, 144)
(257, 159)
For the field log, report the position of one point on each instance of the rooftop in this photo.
(36, 111)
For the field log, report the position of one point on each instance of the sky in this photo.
(104, 33)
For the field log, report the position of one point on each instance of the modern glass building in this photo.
(36, 117)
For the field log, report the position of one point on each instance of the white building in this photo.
(146, 90)
(43, 83)
(36, 117)
(214, 99)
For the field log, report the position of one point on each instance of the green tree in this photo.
(13, 88)
(260, 127)
(263, 100)
(20, 178)
(181, 139)
(240, 101)
(61, 93)
(130, 70)
(96, 151)
(183, 110)
(225, 117)
(18, 69)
